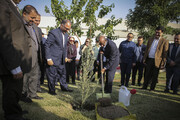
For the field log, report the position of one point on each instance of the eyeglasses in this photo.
(66, 27)
(129, 37)
(87, 41)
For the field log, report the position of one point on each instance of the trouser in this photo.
(39, 80)
(172, 73)
(56, 73)
(109, 80)
(151, 74)
(97, 68)
(77, 69)
(30, 81)
(125, 72)
(43, 69)
(139, 67)
(70, 71)
(11, 94)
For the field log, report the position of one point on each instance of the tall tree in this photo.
(148, 14)
(83, 11)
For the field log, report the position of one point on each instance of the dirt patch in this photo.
(112, 112)
(88, 107)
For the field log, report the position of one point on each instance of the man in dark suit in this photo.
(110, 51)
(173, 65)
(140, 50)
(127, 50)
(154, 57)
(56, 55)
(31, 78)
(15, 58)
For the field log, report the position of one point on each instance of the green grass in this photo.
(146, 105)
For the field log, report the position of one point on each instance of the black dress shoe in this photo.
(166, 91)
(151, 90)
(37, 97)
(143, 88)
(26, 99)
(175, 93)
(52, 93)
(67, 90)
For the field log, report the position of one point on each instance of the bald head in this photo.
(102, 40)
(65, 26)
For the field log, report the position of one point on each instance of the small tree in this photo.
(83, 11)
(85, 86)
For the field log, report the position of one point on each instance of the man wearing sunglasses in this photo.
(56, 52)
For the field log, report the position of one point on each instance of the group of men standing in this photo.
(19, 57)
(22, 59)
(158, 54)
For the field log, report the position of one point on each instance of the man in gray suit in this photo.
(31, 78)
(15, 58)
(173, 65)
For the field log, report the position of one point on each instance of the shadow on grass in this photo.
(36, 112)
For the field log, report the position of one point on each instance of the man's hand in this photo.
(18, 75)
(103, 70)
(144, 63)
(50, 62)
(134, 64)
(101, 52)
(69, 60)
(172, 63)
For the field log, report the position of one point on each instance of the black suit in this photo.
(112, 60)
(14, 51)
(172, 73)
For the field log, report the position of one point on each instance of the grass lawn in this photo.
(147, 105)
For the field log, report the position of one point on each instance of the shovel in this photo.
(102, 95)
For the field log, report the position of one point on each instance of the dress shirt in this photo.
(63, 39)
(153, 48)
(78, 55)
(138, 53)
(173, 53)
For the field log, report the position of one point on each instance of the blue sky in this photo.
(120, 11)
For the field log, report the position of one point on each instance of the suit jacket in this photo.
(54, 47)
(36, 54)
(112, 55)
(143, 48)
(177, 57)
(14, 47)
(161, 51)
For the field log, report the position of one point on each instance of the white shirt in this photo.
(153, 48)
(63, 39)
(78, 55)
(13, 3)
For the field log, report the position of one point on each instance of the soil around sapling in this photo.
(112, 112)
